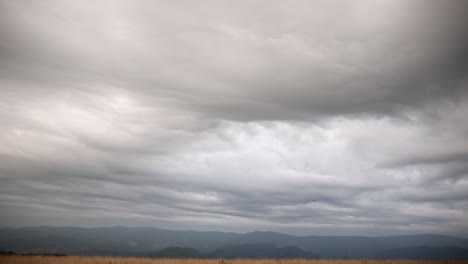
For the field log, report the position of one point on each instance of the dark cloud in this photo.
(343, 116)
(281, 62)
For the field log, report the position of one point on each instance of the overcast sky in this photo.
(307, 117)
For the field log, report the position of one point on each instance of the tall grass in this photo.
(125, 260)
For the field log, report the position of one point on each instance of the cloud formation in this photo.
(338, 117)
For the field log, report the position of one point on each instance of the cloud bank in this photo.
(323, 117)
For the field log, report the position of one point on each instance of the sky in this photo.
(305, 117)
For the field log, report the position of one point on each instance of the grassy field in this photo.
(118, 260)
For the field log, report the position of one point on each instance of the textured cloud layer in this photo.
(316, 117)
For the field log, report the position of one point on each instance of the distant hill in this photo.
(71, 240)
(258, 251)
(177, 252)
(426, 253)
(351, 246)
(234, 251)
(143, 241)
(7, 253)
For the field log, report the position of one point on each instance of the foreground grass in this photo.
(125, 260)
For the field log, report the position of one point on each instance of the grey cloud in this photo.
(318, 116)
(299, 63)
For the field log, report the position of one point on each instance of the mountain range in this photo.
(155, 242)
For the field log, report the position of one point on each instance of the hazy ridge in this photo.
(155, 242)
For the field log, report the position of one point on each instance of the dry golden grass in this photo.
(118, 260)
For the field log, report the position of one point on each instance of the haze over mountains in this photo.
(155, 242)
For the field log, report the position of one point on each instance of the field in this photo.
(118, 260)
